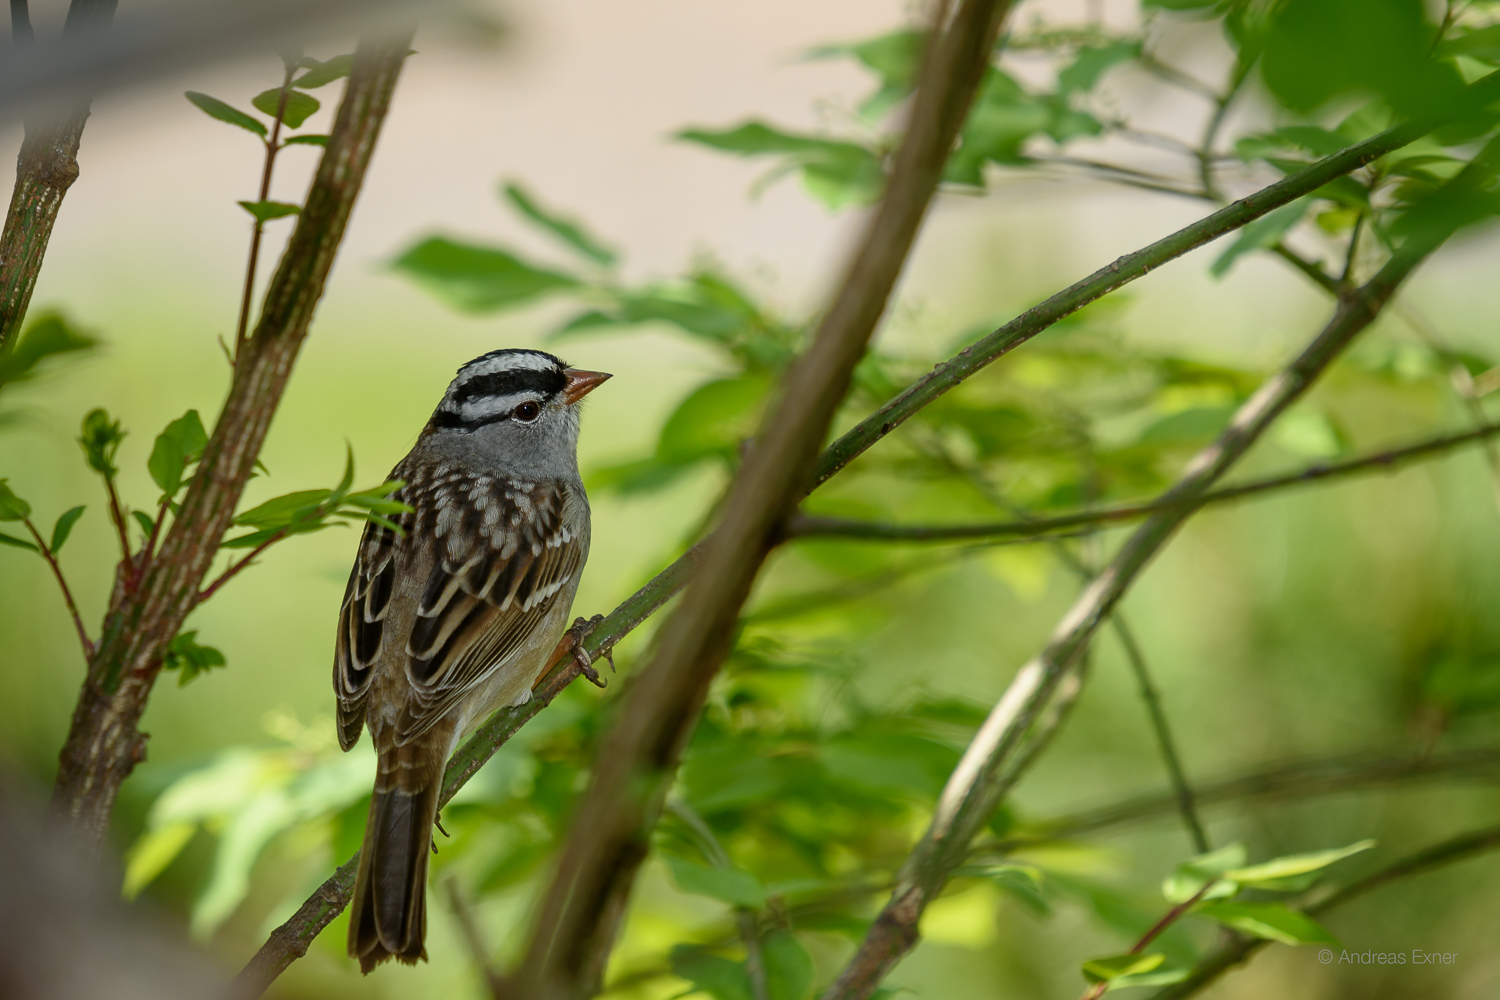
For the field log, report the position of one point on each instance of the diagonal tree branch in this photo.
(291, 940)
(972, 792)
(104, 743)
(579, 912)
(46, 168)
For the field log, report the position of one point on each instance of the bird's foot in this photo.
(571, 644)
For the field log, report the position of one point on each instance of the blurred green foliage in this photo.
(810, 774)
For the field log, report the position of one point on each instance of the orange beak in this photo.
(580, 383)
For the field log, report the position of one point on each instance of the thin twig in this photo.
(468, 928)
(273, 147)
(1157, 929)
(1302, 778)
(1449, 851)
(805, 525)
(62, 583)
(1164, 741)
(1319, 277)
(117, 516)
(233, 570)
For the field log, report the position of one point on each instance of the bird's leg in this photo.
(571, 644)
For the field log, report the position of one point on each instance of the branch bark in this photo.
(972, 793)
(580, 910)
(104, 743)
(46, 168)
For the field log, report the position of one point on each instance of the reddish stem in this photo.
(229, 573)
(47, 554)
(273, 147)
(1168, 919)
(117, 515)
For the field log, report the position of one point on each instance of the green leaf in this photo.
(63, 528)
(564, 229)
(789, 968)
(19, 543)
(729, 885)
(719, 977)
(320, 74)
(1190, 876)
(299, 106)
(1092, 61)
(1103, 970)
(215, 108)
(1263, 232)
(836, 173)
(149, 856)
(12, 507)
(45, 337)
(100, 440)
(1157, 977)
(144, 522)
(1024, 882)
(265, 211)
(477, 279)
(178, 445)
(713, 420)
(313, 139)
(184, 654)
(1271, 921)
(1295, 864)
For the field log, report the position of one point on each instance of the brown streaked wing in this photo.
(504, 556)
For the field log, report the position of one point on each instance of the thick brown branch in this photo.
(581, 908)
(46, 168)
(104, 743)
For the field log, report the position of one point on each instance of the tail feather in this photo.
(388, 917)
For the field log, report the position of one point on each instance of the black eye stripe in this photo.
(546, 383)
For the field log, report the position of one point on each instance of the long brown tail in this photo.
(388, 918)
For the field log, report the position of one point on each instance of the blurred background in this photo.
(1308, 624)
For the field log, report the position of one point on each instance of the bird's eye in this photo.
(527, 412)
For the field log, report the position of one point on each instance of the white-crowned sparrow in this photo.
(455, 617)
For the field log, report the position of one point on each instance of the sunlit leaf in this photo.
(1295, 864)
(149, 856)
(1189, 877)
(1271, 921)
(1102, 970)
